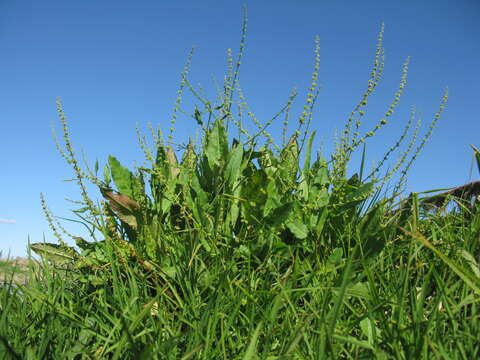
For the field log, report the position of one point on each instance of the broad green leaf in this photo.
(254, 190)
(298, 229)
(320, 172)
(232, 171)
(128, 219)
(359, 289)
(122, 177)
(303, 187)
(197, 189)
(189, 157)
(322, 198)
(336, 256)
(273, 198)
(289, 162)
(216, 148)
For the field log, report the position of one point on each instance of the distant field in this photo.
(16, 266)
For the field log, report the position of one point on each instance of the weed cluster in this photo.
(240, 250)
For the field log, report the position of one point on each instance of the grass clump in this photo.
(240, 250)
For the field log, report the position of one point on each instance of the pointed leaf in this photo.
(106, 175)
(319, 172)
(216, 147)
(122, 177)
(57, 254)
(232, 171)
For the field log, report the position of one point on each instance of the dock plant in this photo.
(240, 197)
(235, 246)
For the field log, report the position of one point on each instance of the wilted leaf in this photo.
(121, 200)
(122, 206)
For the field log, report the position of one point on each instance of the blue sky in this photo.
(118, 63)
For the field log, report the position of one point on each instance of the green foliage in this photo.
(231, 197)
(239, 250)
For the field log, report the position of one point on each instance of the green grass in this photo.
(240, 250)
(405, 303)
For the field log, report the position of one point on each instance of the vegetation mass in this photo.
(244, 249)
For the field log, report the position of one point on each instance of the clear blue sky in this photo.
(116, 63)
